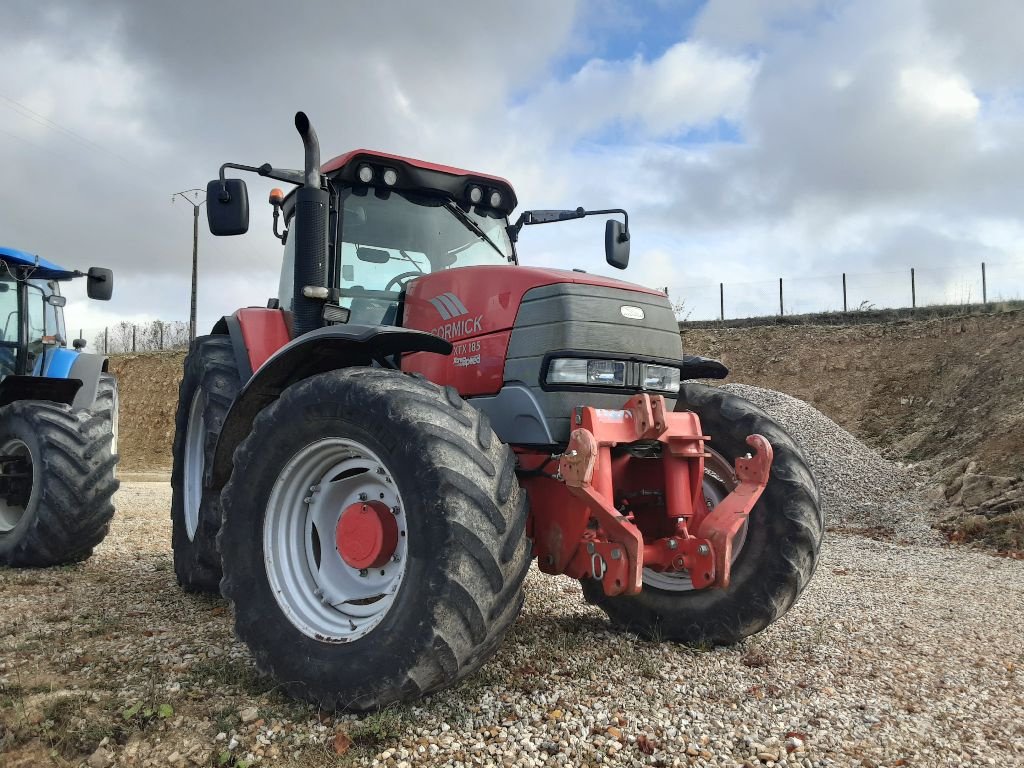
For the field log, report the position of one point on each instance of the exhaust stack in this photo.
(310, 223)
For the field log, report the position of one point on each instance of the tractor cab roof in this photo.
(44, 269)
(414, 175)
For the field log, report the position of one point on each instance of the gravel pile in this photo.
(891, 657)
(860, 489)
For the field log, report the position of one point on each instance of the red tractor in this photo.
(367, 467)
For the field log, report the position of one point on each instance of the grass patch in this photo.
(72, 726)
(1004, 532)
(234, 673)
(380, 728)
(648, 667)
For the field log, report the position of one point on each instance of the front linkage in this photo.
(633, 471)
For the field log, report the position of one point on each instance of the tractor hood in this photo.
(506, 324)
(470, 301)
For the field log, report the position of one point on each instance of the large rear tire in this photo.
(779, 550)
(56, 503)
(350, 638)
(208, 387)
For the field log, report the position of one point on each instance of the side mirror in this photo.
(227, 207)
(616, 244)
(99, 284)
(56, 301)
(79, 344)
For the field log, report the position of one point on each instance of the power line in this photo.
(43, 120)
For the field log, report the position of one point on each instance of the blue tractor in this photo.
(58, 419)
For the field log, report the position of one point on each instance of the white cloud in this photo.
(939, 95)
(691, 85)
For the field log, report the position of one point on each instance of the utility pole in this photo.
(196, 204)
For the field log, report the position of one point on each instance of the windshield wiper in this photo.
(473, 227)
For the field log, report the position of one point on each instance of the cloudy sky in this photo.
(749, 139)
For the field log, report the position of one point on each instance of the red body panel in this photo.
(264, 331)
(475, 309)
(342, 160)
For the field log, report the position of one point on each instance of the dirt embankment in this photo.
(947, 393)
(148, 385)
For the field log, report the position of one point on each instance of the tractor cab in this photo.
(33, 337)
(398, 219)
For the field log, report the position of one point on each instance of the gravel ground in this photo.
(896, 655)
(860, 490)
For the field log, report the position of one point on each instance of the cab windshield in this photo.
(388, 238)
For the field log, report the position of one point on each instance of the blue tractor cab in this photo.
(33, 337)
(58, 419)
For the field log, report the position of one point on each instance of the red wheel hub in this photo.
(367, 534)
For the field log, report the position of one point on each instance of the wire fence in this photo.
(985, 283)
(982, 283)
(150, 336)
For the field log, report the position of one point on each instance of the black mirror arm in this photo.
(267, 170)
(531, 217)
(625, 221)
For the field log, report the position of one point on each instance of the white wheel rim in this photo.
(322, 596)
(195, 460)
(11, 514)
(719, 480)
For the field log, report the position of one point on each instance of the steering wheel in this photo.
(397, 280)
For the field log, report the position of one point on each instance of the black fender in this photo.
(696, 367)
(15, 387)
(319, 351)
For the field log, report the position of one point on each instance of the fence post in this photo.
(133, 338)
(984, 286)
(844, 291)
(161, 335)
(781, 310)
(721, 300)
(105, 340)
(913, 290)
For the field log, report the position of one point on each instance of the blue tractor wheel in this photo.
(58, 481)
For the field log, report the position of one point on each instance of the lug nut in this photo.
(703, 549)
(307, 500)
(363, 572)
(672, 544)
(396, 510)
(363, 497)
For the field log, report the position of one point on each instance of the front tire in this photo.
(208, 387)
(778, 554)
(56, 503)
(421, 622)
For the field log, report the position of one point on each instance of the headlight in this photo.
(475, 195)
(495, 199)
(390, 176)
(661, 377)
(365, 173)
(600, 373)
